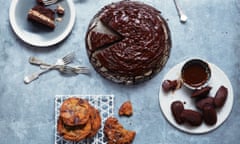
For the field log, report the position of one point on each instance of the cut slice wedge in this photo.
(100, 36)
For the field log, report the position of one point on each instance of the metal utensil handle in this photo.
(182, 16)
(28, 79)
(36, 61)
(44, 66)
(179, 10)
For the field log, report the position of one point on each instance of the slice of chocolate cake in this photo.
(101, 36)
(42, 15)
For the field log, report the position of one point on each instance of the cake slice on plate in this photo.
(42, 15)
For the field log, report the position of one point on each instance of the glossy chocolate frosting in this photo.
(143, 48)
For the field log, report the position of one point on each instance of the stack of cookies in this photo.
(78, 120)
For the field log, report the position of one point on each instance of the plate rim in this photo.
(18, 31)
(184, 128)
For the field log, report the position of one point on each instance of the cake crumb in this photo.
(60, 10)
(59, 19)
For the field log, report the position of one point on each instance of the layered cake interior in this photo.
(128, 42)
(42, 15)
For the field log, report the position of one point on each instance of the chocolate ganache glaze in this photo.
(128, 42)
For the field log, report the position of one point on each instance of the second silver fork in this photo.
(75, 70)
(62, 68)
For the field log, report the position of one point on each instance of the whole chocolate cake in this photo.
(128, 42)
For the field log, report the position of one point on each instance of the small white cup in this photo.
(195, 73)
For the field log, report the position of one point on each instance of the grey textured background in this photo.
(27, 111)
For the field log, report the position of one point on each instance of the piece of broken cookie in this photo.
(116, 133)
(126, 109)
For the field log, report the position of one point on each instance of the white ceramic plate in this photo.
(40, 36)
(218, 78)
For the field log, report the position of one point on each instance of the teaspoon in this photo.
(182, 17)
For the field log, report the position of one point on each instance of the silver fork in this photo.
(62, 61)
(61, 68)
(43, 65)
(76, 70)
(47, 2)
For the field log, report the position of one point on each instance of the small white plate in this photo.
(218, 78)
(40, 36)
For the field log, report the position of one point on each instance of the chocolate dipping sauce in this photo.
(195, 73)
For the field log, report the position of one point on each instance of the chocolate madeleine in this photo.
(192, 117)
(205, 101)
(221, 96)
(209, 115)
(177, 108)
(203, 92)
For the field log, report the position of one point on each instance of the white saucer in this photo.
(34, 35)
(218, 78)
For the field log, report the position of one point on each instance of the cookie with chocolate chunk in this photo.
(75, 111)
(95, 119)
(73, 133)
(78, 119)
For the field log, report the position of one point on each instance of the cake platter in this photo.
(218, 78)
(128, 42)
(38, 36)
